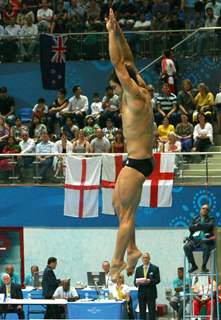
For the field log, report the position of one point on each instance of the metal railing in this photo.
(194, 168)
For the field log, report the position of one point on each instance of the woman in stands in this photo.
(36, 128)
(172, 144)
(184, 131)
(164, 129)
(62, 146)
(4, 133)
(81, 145)
(118, 145)
(17, 129)
(6, 164)
(90, 127)
(202, 134)
(204, 102)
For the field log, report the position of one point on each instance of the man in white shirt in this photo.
(27, 145)
(65, 291)
(29, 43)
(44, 16)
(96, 106)
(106, 268)
(110, 105)
(45, 162)
(77, 107)
(142, 24)
(100, 144)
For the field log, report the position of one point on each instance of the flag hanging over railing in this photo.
(82, 186)
(52, 61)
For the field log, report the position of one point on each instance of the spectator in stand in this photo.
(7, 164)
(118, 145)
(164, 129)
(218, 108)
(8, 14)
(62, 146)
(36, 128)
(93, 11)
(44, 17)
(4, 132)
(29, 43)
(158, 22)
(77, 107)
(127, 11)
(27, 145)
(185, 99)
(175, 23)
(70, 129)
(142, 23)
(17, 129)
(216, 6)
(60, 22)
(90, 127)
(197, 21)
(204, 102)
(81, 144)
(168, 70)
(45, 162)
(202, 295)
(202, 134)
(96, 106)
(184, 132)
(9, 269)
(100, 144)
(11, 291)
(41, 110)
(160, 6)
(166, 106)
(110, 131)
(30, 277)
(150, 89)
(211, 19)
(77, 13)
(172, 144)
(7, 106)
(110, 105)
(10, 48)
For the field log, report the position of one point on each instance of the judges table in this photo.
(97, 309)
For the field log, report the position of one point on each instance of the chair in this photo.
(36, 309)
(25, 114)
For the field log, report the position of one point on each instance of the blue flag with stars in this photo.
(52, 61)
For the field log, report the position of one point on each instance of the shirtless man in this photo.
(137, 118)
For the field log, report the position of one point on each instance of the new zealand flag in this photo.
(52, 60)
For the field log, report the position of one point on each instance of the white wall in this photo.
(82, 250)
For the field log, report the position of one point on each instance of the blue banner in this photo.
(44, 207)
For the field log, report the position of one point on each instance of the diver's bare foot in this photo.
(132, 259)
(116, 269)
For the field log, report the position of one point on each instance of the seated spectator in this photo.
(211, 19)
(172, 145)
(185, 99)
(44, 17)
(201, 236)
(7, 106)
(41, 110)
(8, 14)
(62, 146)
(29, 43)
(110, 105)
(70, 129)
(164, 129)
(77, 107)
(121, 291)
(55, 112)
(127, 11)
(150, 89)
(96, 106)
(27, 145)
(60, 22)
(7, 164)
(78, 11)
(12, 291)
(110, 131)
(81, 144)
(14, 277)
(45, 162)
(90, 127)
(36, 128)
(166, 105)
(142, 23)
(202, 295)
(118, 145)
(100, 144)
(218, 108)
(93, 11)
(197, 21)
(202, 134)
(4, 132)
(184, 132)
(204, 101)
(10, 48)
(17, 129)
(30, 277)
(176, 301)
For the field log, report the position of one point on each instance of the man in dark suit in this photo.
(49, 285)
(147, 276)
(202, 236)
(11, 291)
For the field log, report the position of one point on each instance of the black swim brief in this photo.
(144, 166)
